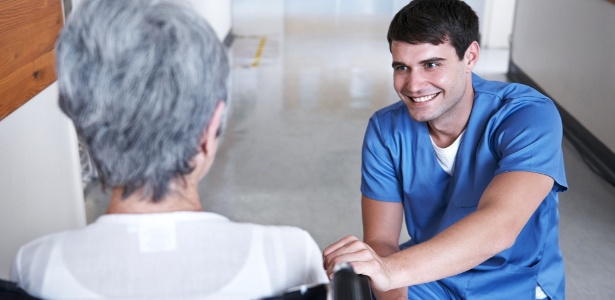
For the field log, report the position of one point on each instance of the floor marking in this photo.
(259, 52)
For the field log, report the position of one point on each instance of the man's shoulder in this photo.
(393, 116)
(505, 91)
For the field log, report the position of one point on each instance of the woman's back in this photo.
(169, 255)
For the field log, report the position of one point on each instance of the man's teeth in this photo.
(424, 98)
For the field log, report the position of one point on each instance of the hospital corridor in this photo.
(306, 76)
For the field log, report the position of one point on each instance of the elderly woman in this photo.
(145, 84)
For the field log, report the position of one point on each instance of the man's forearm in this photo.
(386, 250)
(382, 224)
(383, 249)
(506, 205)
(396, 294)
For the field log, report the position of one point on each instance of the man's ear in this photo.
(471, 56)
(210, 134)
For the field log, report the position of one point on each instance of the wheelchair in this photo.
(346, 285)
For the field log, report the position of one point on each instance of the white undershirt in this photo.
(446, 156)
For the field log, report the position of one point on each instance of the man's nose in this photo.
(415, 82)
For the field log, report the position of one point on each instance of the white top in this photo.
(446, 156)
(179, 255)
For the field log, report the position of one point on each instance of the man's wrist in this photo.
(398, 294)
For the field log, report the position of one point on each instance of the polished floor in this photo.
(307, 76)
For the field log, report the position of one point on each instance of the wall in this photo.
(496, 24)
(40, 177)
(567, 48)
(217, 13)
(496, 21)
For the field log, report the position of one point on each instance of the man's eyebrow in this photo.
(433, 59)
(429, 60)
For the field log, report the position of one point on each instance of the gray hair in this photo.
(140, 80)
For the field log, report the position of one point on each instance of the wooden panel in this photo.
(28, 30)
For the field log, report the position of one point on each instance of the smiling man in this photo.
(475, 166)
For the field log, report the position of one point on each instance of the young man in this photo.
(474, 166)
(145, 84)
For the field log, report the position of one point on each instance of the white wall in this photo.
(217, 13)
(40, 176)
(568, 48)
(496, 21)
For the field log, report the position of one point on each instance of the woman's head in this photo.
(140, 80)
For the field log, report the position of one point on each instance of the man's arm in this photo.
(504, 209)
(382, 223)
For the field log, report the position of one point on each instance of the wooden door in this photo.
(28, 31)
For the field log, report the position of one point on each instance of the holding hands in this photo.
(363, 260)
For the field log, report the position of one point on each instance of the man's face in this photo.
(432, 81)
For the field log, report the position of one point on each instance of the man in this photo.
(474, 166)
(145, 84)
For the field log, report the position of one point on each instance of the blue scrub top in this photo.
(511, 128)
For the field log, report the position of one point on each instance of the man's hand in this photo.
(363, 260)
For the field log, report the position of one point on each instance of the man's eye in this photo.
(431, 65)
(400, 68)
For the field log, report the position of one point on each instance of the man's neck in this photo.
(444, 138)
(445, 131)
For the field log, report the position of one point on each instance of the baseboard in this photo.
(597, 155)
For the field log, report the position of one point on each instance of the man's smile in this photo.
(424, 98)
